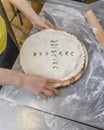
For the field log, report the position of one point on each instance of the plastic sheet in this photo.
(16, 117)
(84, 100)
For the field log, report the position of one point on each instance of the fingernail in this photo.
(60, 82)
(59, 94)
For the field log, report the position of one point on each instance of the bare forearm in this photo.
(8, 77)
(24, 7)
(37, 21)
(36, 84)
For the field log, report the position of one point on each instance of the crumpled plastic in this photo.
(83, 100)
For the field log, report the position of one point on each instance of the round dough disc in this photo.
(54, 54)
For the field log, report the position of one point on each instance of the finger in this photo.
(42, 27)
(45, 25)
(55, 91)
(54, 81)
(49, 93)
(49, 24)
(42, 95)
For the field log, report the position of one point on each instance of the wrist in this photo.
(33, 18)
(18, 79)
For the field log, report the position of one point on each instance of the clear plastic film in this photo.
(82, 101)
(17, 117)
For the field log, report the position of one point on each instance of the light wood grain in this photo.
(96, 27)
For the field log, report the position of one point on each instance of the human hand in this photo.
(41, 23)
(36, 84)
(39, 85)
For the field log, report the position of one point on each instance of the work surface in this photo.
(81, 105)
